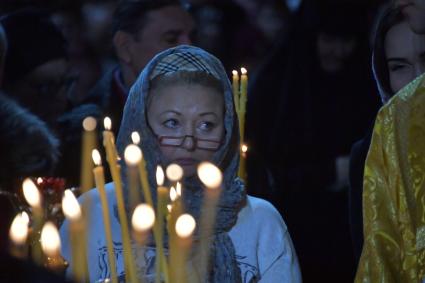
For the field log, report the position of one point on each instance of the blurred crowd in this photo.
(314, 91)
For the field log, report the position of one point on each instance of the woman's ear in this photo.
(122, 41)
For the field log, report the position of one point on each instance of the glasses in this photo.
(211, 145)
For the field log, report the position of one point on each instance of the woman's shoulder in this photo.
(262, 212)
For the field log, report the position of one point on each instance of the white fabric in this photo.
(264, 249)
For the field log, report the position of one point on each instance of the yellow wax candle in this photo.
(211, 177)
(18, 234)
(88, 144)
(99, 177)
(242, 102)
(111, 154)
(133, 156)
(143, 175)
(50, 242)
(235, 87)
(242, 162)
(142, 221)
(184, 227)
(72, 212)
(175, 213)
(161, 265)
(33, 197)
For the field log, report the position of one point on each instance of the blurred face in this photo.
(414, 11)
(334, 51)
(405, 55)
(164, 28)
(44, 91)
(189, 123)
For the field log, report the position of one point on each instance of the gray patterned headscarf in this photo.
(223, 265)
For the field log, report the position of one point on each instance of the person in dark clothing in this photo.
(397, 60)
(140, 30)
(308, 94)
(38, 79)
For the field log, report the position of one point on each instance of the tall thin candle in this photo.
(211, 177)
(99, 177)
(112, 156)
(184, 227)
(161, 265)
(88, 144)
(72, 212)
(50, 242)
(133, 156)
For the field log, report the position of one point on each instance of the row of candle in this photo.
(180, 225)
(240, 97)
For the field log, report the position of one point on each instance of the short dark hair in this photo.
(130, 15)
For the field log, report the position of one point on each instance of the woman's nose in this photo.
(189, 143)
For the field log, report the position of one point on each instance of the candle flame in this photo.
(89, 124)
(31, 193)
(50, 240)
(173, 194)
(179, 189)
(107, 123)
(235, 73)
(243, 71)
(96, 157)
(135, 137)
(132, 154)
(174, 172)
(70, 206)
(143, 218)
(25, 217)
(185, 225)
(19, 229)
(210, 175)
(169, 207)
(244, 148)
(39, 180)
(159, 176)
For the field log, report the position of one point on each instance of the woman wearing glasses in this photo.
(182, 105)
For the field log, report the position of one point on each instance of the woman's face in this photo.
(405, 55)
(189, 123)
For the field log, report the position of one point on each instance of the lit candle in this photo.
(112, 157)
(176, 210)
(162, 195)
(51, 245)
(235, 86)
(33, 197)
(184, 227)
(142, 221)
(88, 144)
(242, 162)
(133, 156)
(18, 234)
(72, 211)
(135, 138)
(99, 177)
(211, 177)
(242, 102)
(174, 172)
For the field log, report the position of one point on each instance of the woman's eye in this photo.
(397, 67)
(207, 126)
(171, 123)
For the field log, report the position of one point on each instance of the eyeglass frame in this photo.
(195, 139)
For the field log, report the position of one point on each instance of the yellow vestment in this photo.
(394, 192)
